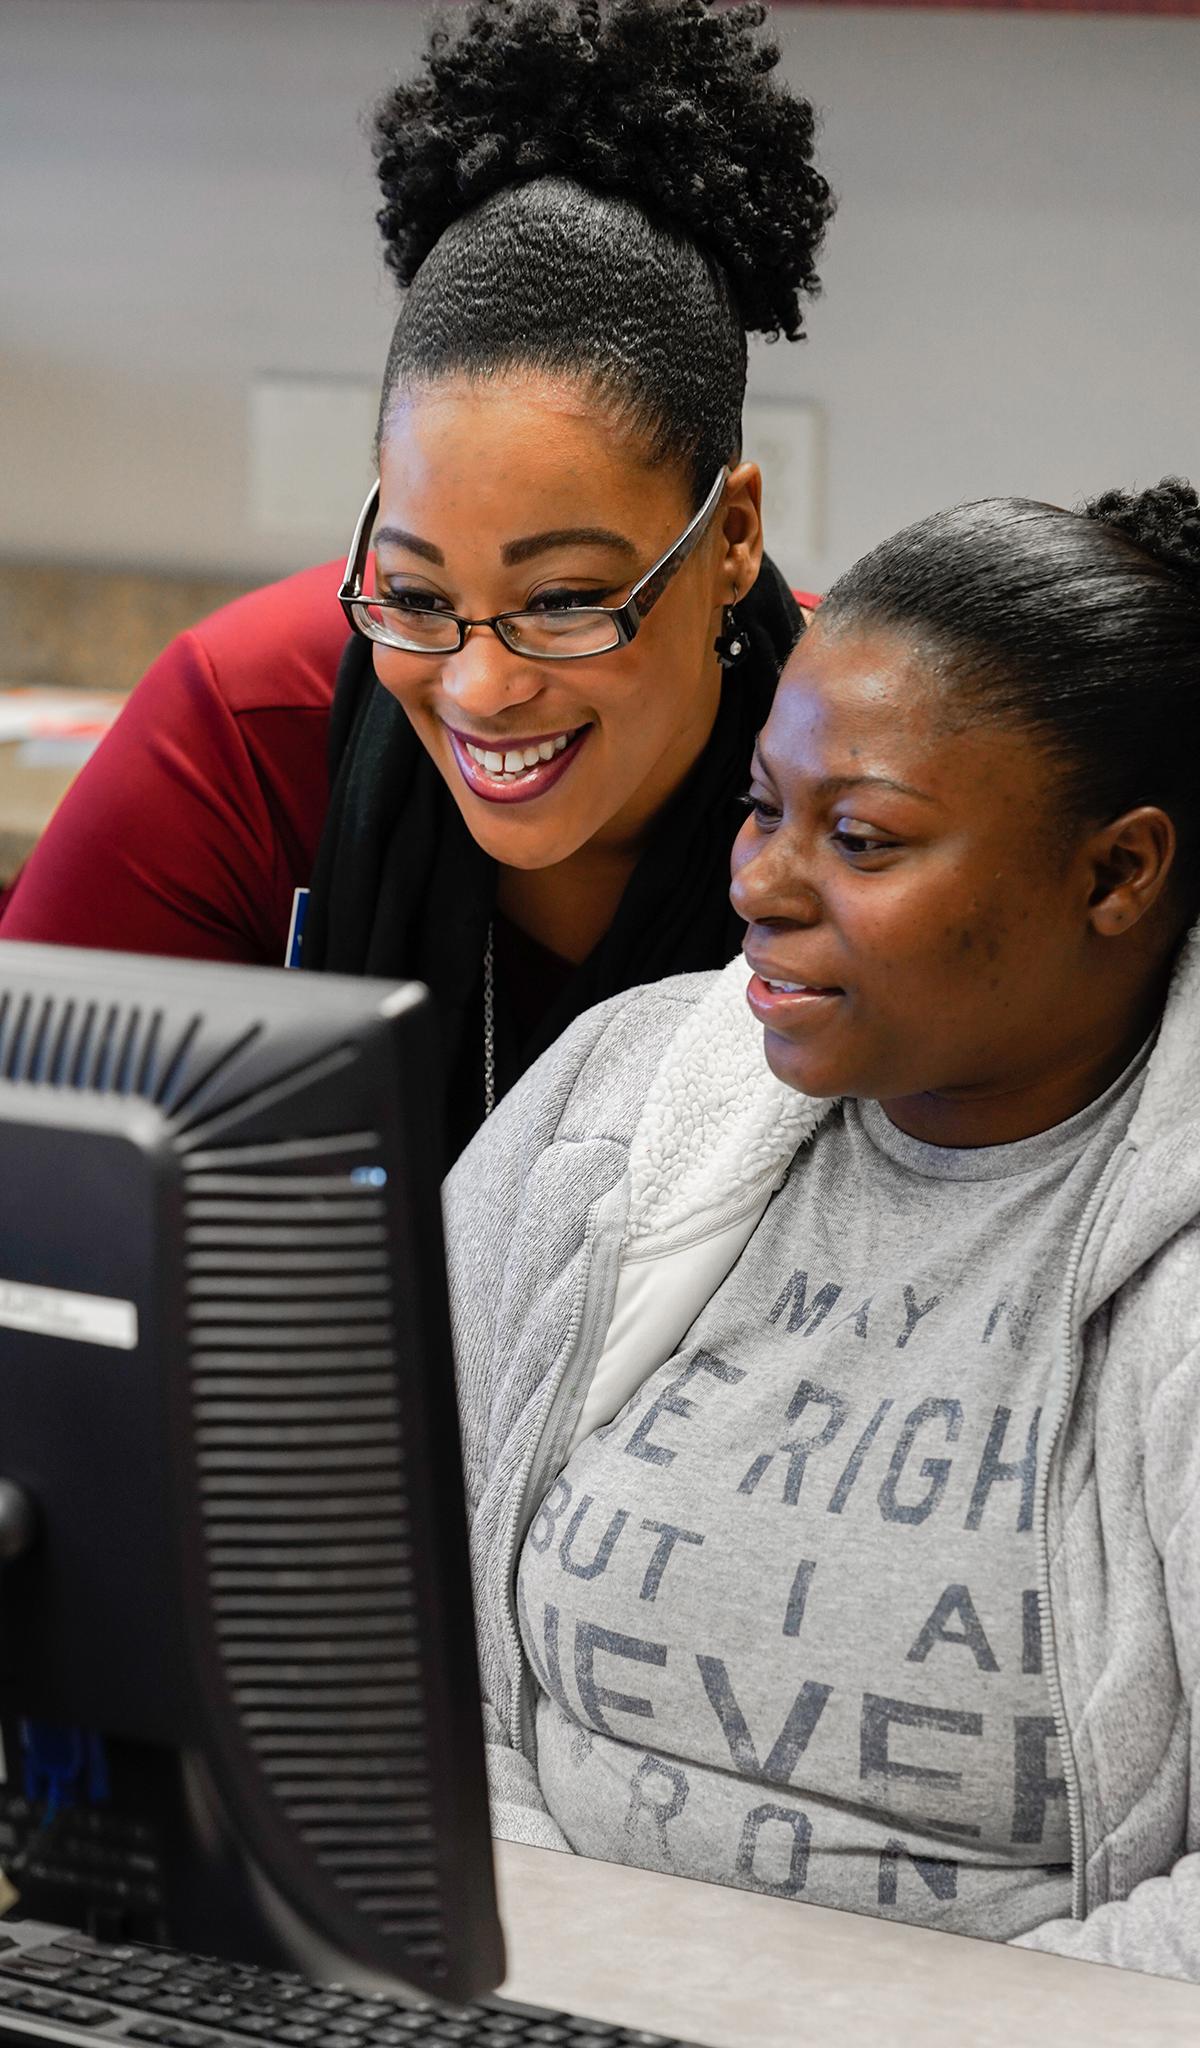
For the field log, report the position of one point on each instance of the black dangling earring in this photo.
(733, 644)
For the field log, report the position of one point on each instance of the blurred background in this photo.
(194, 313)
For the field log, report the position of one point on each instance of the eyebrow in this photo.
(395, 537)
(515, 551)
(565, 537)
(834, 785)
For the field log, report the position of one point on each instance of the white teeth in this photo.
(789, 988)
(513, 762)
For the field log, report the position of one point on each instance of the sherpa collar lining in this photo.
(717, 1127)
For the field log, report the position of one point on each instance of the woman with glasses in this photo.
(564, 632)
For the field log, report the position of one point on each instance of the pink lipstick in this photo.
(513, 771)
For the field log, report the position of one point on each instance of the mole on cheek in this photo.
(957, 941)
(991, 933)
(984, 935)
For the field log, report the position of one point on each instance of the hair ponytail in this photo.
(1164, 522)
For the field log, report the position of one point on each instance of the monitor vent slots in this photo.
(106, 1048)
(300, 1456)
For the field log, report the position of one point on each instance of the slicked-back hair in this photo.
(549, 278)
(1081, 627)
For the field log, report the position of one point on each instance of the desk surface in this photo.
(739, 1970)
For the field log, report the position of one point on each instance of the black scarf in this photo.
(401, 890)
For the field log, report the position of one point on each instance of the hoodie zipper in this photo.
(1050, 1659)
(585, 1338)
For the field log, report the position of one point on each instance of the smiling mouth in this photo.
(788, 985)
(517, 769)
(777, 1003)
(796, 988)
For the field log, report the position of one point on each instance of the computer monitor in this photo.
(238, 1673)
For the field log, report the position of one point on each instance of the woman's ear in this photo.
(741, 532)
(1131, 860)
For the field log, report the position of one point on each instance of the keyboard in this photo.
(60, 1986)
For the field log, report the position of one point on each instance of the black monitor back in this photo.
(226, 1386)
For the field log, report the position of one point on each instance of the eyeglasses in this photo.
(559, 633)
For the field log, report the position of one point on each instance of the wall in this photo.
(1012, 292)
(1012, 285)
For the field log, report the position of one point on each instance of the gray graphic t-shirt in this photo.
(783, 1610)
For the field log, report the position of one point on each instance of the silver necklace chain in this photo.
(489, 1022)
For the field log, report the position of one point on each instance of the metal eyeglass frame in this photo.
(625, 618)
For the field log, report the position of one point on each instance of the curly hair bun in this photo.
(660, 102)
(1164, 521)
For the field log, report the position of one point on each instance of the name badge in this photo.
(295, 937)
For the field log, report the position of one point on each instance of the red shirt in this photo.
(200, 812)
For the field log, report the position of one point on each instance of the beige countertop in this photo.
(738, 1970)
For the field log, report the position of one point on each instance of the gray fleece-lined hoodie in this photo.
(593, 1217)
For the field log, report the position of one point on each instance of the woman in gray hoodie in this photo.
(830, 1420)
